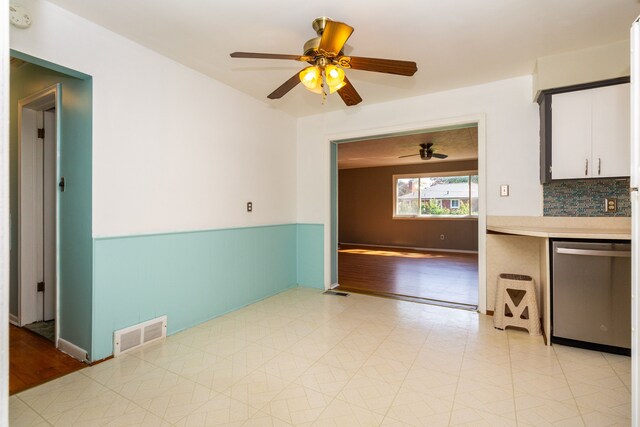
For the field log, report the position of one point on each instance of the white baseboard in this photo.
(13, 319)
(410, 248)
(73, 350)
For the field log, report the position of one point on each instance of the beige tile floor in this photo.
(303, 358)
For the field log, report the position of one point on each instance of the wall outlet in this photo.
(249, 207)
(610, 205)
(504, 190)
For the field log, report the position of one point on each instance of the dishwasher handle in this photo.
(593, 252)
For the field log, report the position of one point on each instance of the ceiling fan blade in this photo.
(349, 94)
(389, 66)
(254, 55)
(439, 156)
(409, 155)
(334, 36)
(285, 87)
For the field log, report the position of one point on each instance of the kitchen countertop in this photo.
(564, 232)
(562, 227)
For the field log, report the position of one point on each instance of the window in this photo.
(436, 196)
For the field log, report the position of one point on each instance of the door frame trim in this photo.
(24, 103)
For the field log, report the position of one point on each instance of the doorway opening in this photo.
(407, 216)
(34, 335)
(38, 219)
(50, 222)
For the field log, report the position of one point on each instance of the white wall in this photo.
(582, 66)
(173, 149)
(512, 142)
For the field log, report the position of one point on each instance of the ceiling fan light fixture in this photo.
(325, 53)
(334, 77)
(311, 78)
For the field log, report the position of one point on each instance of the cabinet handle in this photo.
(592, 252)
(586, 167)
(599, 164)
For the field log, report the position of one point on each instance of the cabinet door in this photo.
(571, 135)
(611, 131)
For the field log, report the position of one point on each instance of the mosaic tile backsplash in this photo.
(585, 197)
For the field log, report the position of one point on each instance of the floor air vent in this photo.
(340, 294)
(135, 336)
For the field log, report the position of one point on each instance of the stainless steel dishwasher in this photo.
(591, 299)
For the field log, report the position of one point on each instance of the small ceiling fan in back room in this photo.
(327, 63)
(426, 152)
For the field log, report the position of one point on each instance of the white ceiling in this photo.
(455, 42)
(458, 144)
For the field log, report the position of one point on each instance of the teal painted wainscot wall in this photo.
(195, 276)
(311, 255)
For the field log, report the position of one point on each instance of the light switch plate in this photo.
(504, 190)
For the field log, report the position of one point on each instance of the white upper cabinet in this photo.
(610, 129)
(590, 133)
(571, 135)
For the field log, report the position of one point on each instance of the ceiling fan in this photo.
(327, 60)
(426, 153)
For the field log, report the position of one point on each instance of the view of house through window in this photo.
(436, 196)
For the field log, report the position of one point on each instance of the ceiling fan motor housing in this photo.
(310, 48)
(319, 24)
(425, 154)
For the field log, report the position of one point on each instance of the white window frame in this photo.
(457, 206)
(394, 183)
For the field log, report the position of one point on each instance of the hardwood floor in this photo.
(442, 276)
(33, 360)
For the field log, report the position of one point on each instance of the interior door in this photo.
(38, 255)
(45, 212)
(49, 214)
(29, 220)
